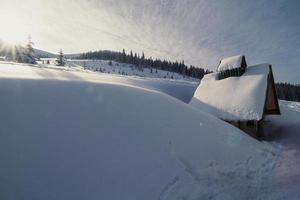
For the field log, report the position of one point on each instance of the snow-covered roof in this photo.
(231, 62)
(234, 98)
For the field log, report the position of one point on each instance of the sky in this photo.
(200, 32)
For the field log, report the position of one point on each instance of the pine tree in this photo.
(135, 59)
(29, 52)
(60, 61)
(142, 59)
(123, 56)
(131, 57)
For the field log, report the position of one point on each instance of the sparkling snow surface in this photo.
(68, 134)
(234, 98)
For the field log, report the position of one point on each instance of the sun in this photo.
(15, 25)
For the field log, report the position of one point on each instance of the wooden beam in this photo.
(260, 129)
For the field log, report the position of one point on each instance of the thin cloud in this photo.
(197, 31)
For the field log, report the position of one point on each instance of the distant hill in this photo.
(72, 56)
(43, 54)
(142, 62)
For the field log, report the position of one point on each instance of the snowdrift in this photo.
(73, 138)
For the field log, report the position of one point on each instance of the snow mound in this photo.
(71, 138)
(234, 98)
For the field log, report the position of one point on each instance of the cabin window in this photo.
(231, 72)
(250, 123)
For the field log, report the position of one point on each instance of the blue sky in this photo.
(197, 31)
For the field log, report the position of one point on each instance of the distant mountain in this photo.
(43, 54)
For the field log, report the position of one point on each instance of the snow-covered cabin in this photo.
(2, 58)
(49, 61)
(242, 100)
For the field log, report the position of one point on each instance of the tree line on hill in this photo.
(287, 91)
(142, 62)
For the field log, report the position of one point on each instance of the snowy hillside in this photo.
(178, 88)
(128, 69)
(68, 134)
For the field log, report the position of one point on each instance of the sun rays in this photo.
(12, 52)
(16, 23)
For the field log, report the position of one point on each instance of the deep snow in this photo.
(82, 135)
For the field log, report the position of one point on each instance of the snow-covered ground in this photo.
(283, 132)
(72, 134)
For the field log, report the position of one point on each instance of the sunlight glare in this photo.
(15, 25)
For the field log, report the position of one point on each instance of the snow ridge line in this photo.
(168, 188)
(187, 167)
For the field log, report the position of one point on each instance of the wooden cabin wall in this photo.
(271, 102)
(252, 128)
